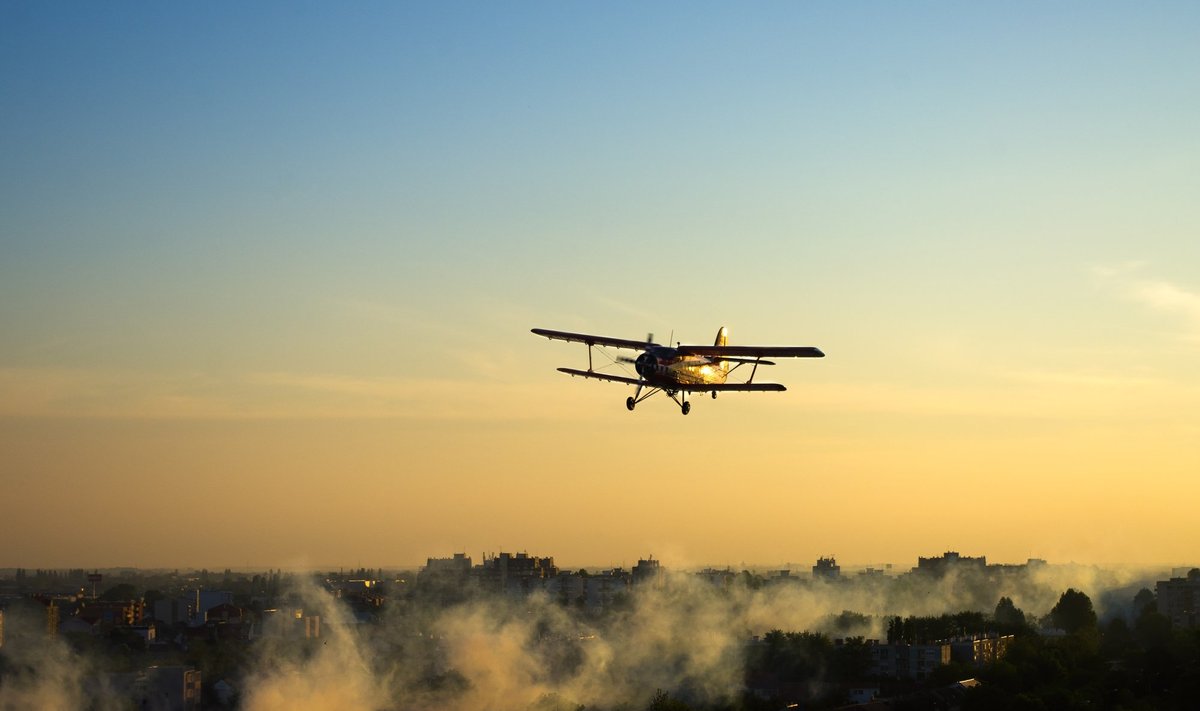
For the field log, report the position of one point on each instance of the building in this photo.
(190, 609)
(515, 574)
(171, 611)
(646, 570)
(168, 688)
(908, 661)
(826, 569)
(862, 694)
(568, 587)
(445, 579)
(206, 600)
(980, 649)
(125, 613)
(949, 561)
(1179, 599)
(457, 567)
(604, 587)
(717, 578)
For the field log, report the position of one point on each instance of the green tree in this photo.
(120, 593)
(662, 701)
(1152, 629)
(1143, 599)
(1009, 615)
(1074, 612)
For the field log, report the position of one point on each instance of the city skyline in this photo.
(267, 276)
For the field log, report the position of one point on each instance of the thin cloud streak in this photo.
(81, 393)
(1153, 293)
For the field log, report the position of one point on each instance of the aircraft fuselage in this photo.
(663, 367)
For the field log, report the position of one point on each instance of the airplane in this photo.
(682, 369)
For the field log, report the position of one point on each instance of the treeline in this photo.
(1076, 663)
(1144, 666)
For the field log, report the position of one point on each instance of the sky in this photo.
(267, 275)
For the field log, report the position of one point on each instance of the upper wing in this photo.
(753, 351)
(599, 376)
(592, 340)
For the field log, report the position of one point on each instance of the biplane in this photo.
(680, 370)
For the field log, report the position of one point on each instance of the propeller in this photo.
(633, 361)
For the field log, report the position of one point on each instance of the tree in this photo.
(119, 593)
(662, 701)
(1142, 600)
(1008, 614)
(1074, 612)
(152, 596)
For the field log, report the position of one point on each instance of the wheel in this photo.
(714, 394)
(687, 407)
(629, 403)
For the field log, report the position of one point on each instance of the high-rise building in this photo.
(515, 573)
(1179, 599)
(826, 569)
(646, 570)
(948, 561)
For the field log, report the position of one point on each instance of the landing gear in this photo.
(687, 407)
(639, 395)
(714, 394)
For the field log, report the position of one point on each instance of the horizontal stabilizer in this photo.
(748, 361)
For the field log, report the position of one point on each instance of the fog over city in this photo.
(451, 642)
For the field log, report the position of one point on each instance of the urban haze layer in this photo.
(515, 631)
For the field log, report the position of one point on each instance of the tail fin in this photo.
(722, 340)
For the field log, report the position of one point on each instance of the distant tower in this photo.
(94, 579)
(52, 619)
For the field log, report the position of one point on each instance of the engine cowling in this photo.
(645, 364)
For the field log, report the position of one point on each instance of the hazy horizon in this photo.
(798, 568)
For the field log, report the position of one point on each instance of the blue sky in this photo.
(300, 210)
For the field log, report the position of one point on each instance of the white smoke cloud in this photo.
(684, 635)
(43, 672)
(332, 670)
(681, 634)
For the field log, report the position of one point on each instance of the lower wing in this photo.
(699, 388)
(599, 376)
